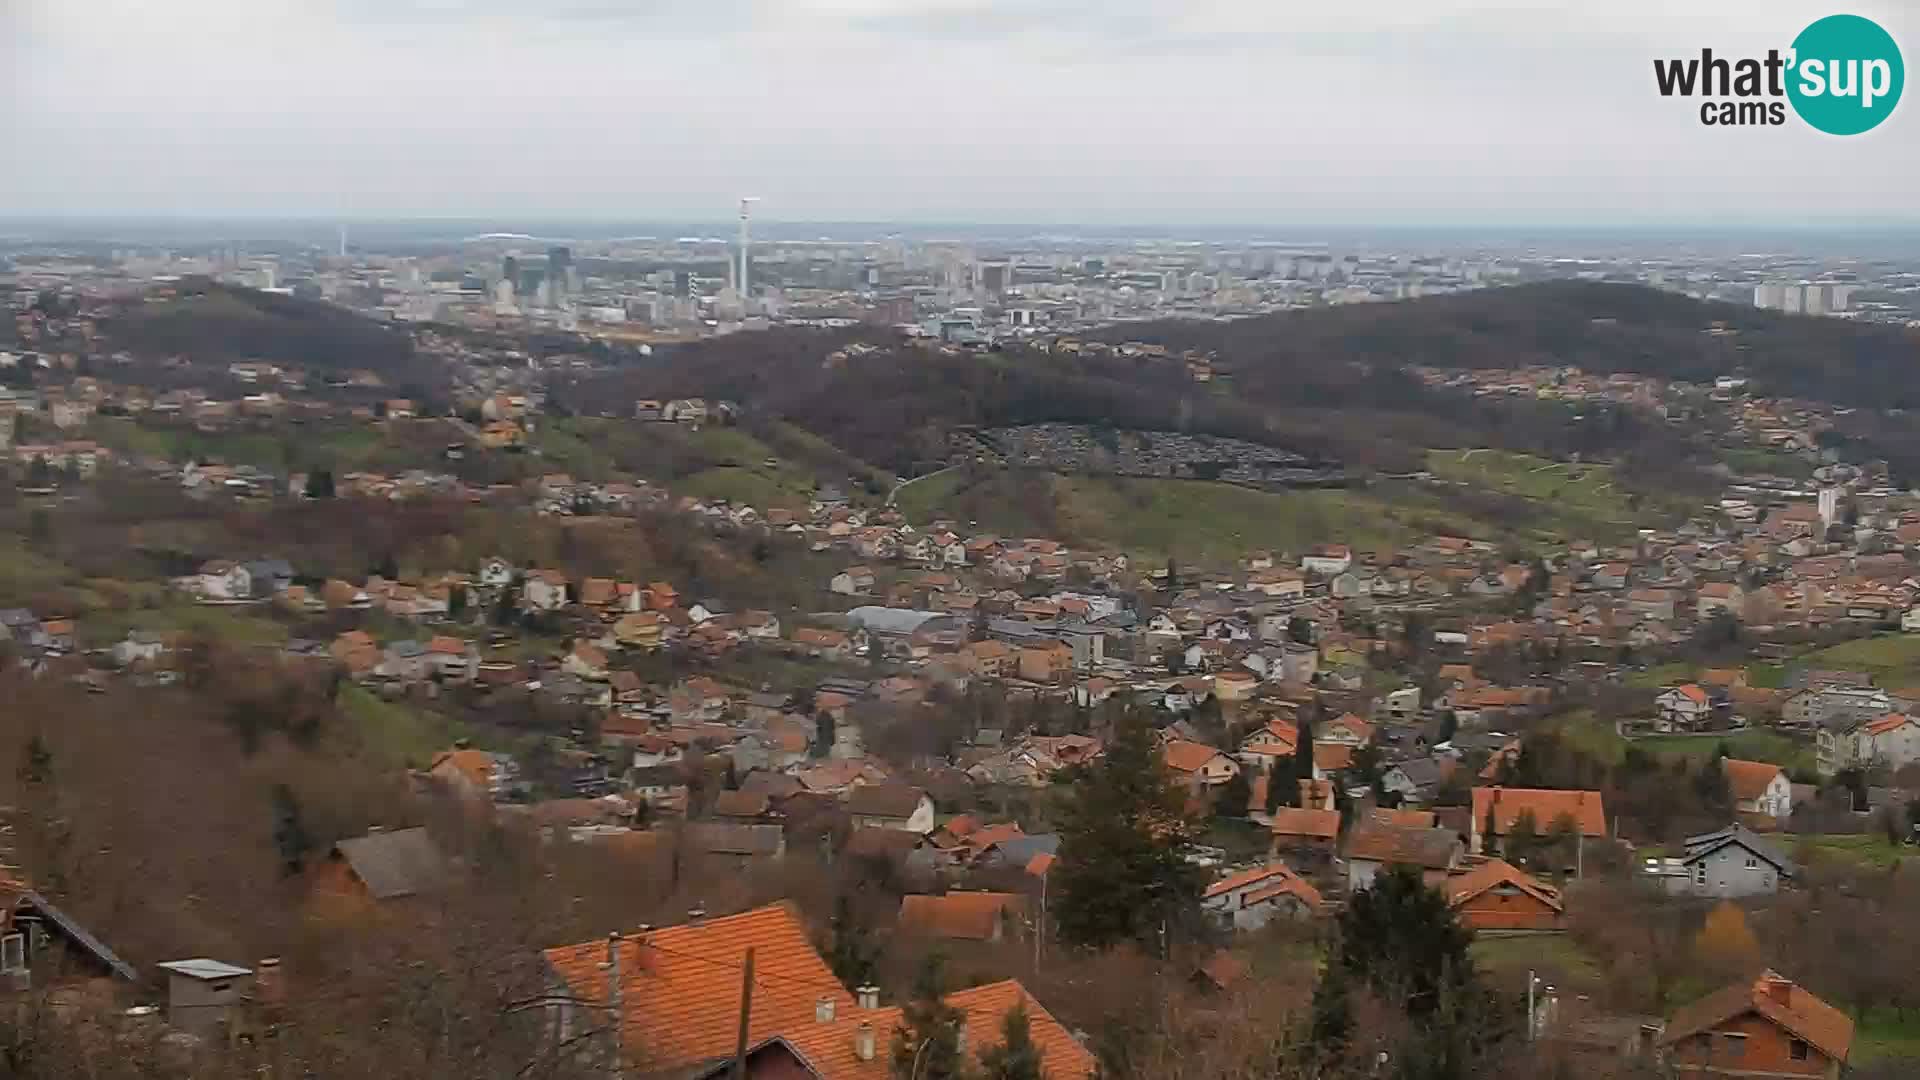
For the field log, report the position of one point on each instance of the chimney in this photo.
(268, 986)
(1778, 990)
(960, 1035)
(823, 1011)
(696, 913)
(868, 996)
(863, 1041)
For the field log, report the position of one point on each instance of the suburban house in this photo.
(853, 581)
(1495, 897)
(1892, 740)
(544, 590)
(1252, 898)
(1718, 596)
(42, 946)
(1499, 808)
(1306, 839)
(380, 866)
(1374, 846)
(891, 806)
(1684, 708)
(678, 994)
(1759, 787)
(1764, 1027)
(1327, 560)
(964, 916)
(1197, 765)
(1726, 863)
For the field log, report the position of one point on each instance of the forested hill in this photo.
(208, 320)
(1595, 326)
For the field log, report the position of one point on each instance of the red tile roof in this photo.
(1749, 779)
(1293, 821)
(1187, 757)
(960, 916)
(1495, 872)
(680, 986)
(1548, 806)
(1777, 999)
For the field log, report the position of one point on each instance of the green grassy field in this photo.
(1191, 520)
(1893, 659)
(1661, 675)
(1556, 958)
(1593, 737)
(1868, 849)
(1569, 500)
(1882, 1034)
(396, 735)
(231, 625)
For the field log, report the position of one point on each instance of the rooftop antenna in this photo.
(746, 212)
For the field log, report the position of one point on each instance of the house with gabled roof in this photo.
(1759, 788)
(1768, 1026)
(1726, 863)
(1250, 899)
(680, 1003)
(1495, 897)
(1499, 808)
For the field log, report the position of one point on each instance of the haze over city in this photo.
(1057, 111)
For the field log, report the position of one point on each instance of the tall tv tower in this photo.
(746, 241)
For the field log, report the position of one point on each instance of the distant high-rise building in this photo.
(559, 270)
(1795, 300)
(1818, 299)
(510, 269)
(683, 283)
(1770, 295)
(995, 278)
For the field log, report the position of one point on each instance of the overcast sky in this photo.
(1058, 111)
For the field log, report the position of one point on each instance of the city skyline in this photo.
(919, 112)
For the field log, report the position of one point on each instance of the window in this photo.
(13, 953)
(1753, 863)
(1736, 1046)
(1797, 1050)
(1700, 874)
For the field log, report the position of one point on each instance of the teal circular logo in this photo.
(1846, 76)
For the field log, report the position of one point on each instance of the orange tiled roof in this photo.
(1749, 779)
(1494, 872)
(1826, 1028)
(1548, 806)
(680, 986)
(1887, 723)
(1187, 757)
(829, 1047)
(963, 916)
(1293, 821)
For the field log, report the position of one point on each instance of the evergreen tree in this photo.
(1173, 575)
(319, 484)
(823, 733)
(1234, 796)
(1016, 1057)
(1123, 872)
(290, 837)
(39, 473)
(1711, 785)
(1488, 828)
(1401, 938)
(1300, 630)
(926, 1045)
(1523, 838)
(852, 954)
(1330, 1023)
(1276, 788)
(1302, 760)
(36, 762)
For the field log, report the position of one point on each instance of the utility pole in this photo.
(746, 1014)
(613, 1003)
